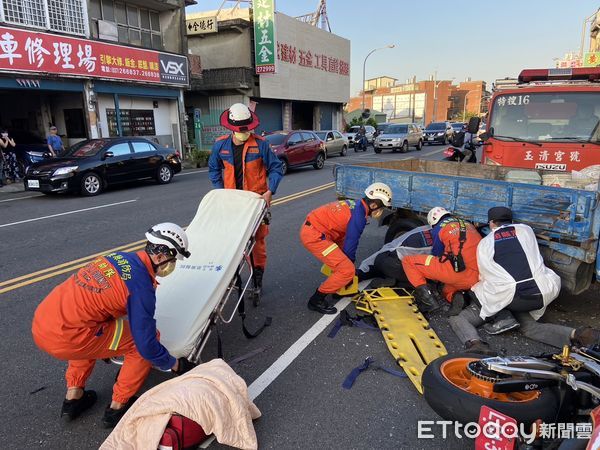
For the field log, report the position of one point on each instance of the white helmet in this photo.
(436, 214)
(380, 191)
(172, 236)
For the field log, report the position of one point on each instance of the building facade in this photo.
(94, 68)
(307, 91)
(421, 101)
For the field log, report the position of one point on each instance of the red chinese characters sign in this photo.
(28, 51)
(305, 58)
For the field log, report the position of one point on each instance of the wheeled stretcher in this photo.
(195, 297)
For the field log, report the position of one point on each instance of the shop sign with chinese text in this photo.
(264, 36)
(201, 25)
(44, 53)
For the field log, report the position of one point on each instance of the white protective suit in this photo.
(397, 244)
(496, 287)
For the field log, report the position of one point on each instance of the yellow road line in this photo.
(44, 274)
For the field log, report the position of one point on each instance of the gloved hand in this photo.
(183, 366)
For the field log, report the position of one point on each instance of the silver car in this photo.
(335, 142)
(399, 136)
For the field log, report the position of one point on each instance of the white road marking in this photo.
(269, 375)
(21, 198)
(66, 213)
(182, 174)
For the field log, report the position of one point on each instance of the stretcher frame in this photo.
(218, 313)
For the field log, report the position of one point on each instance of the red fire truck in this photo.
(549, 120)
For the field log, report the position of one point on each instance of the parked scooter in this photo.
(553, 388)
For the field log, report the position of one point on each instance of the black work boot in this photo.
(479, 347)
(112, 416)
(72, 409)
(258, 277)
(586, 337)
(427, 299)
(318, 303)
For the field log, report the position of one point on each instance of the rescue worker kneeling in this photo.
(453, 260)
(83, 319)
(335, 225)
(513, 279)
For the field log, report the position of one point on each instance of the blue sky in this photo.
(464, 38)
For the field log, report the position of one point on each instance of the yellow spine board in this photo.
(406, 332)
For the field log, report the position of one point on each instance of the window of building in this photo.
(134, 122)
(65, 16)
(136, 26)
(75, 123)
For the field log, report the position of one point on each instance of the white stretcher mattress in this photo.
(224, 223)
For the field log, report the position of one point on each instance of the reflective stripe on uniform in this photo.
(329, 249)
(114, 345)
(428, 260)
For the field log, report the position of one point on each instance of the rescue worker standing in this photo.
(242, 160)
(453, 260)
(340, 224)
(514, 279)
(83, 319)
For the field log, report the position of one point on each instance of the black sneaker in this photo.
(72, 409)
(112, 416)
(503, 321)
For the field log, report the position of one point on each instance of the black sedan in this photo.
(90, 166)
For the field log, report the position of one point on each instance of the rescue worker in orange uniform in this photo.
(331, 233)
(453, 260)
(83, 319)
(243, 160)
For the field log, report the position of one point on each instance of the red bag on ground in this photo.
(181, 433)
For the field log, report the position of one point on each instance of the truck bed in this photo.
(564, 219)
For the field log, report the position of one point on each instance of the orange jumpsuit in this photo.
(83, 319)
(329, 227)
(262, 172)
(420, 268)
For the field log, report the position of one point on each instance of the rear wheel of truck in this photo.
(400, 226)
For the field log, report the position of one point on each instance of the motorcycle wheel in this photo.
(453, 392)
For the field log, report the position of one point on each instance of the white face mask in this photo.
(243, 137)
(166, 268)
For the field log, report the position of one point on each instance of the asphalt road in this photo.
(304, 407)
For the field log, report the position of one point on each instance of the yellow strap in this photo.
(329, 249)
(428, 260)
(114, 345)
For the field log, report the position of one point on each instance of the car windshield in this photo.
(437, 126)
(353, 129)
(85, 148)
(322, 134)
(275, 139)
(560, 116)
(397, 129)
(382, 128)
(457, 126)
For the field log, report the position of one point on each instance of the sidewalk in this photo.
(12, 188)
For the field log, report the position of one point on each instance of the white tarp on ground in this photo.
(223, 225)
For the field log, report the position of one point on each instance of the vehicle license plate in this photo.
(33, 183)
(430, 139)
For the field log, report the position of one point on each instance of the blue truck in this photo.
(566, 221)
